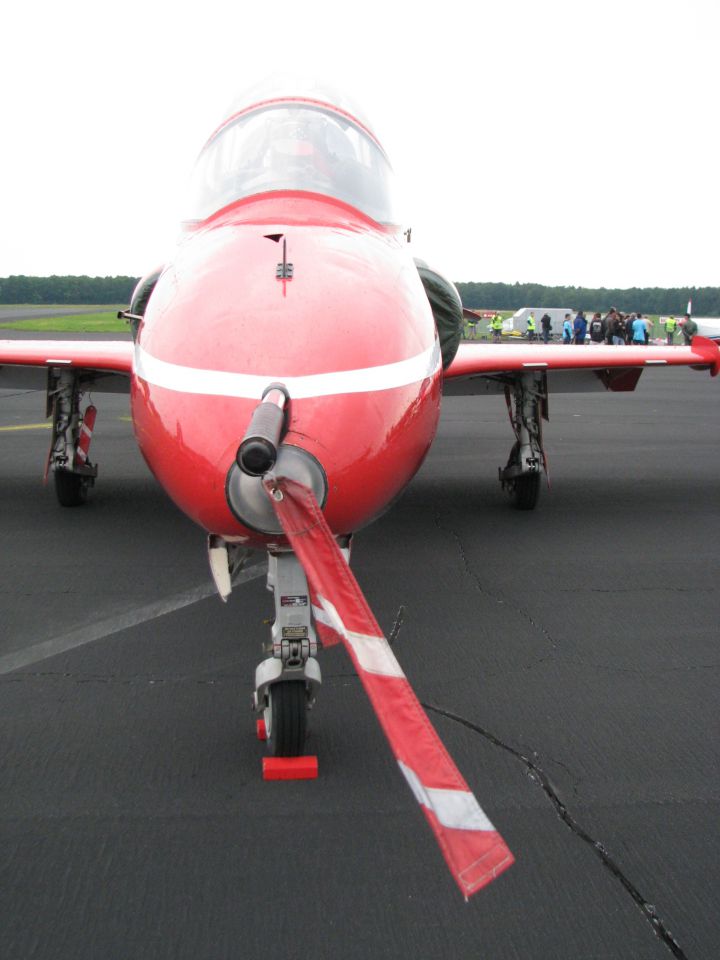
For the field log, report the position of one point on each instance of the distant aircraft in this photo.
(285, 379)
(708, 327)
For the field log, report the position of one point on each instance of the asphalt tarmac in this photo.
(9, 312)
(568, 658)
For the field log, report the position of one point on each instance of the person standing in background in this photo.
(531, 327)
(597, 329)
(689, 329)
(639, 331)
(546, 324)
(580, 327)
(617, 330)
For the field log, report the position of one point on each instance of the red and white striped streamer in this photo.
(86, 430)
(475, 852)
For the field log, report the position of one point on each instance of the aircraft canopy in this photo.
(292, 145)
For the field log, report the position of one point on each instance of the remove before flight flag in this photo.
(475, 852)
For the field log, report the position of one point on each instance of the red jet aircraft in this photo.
(285, 375)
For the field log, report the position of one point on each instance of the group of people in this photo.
(614, 328)
(495, 324)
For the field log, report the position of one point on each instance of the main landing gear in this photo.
(287, 682)
(73, 473)
(527, 404)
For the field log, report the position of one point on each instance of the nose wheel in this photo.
(286, 718)
(287, 682)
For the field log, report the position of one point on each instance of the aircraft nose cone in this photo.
(246, 496)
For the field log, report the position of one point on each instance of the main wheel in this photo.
(71, 488)
(286, 718)
(525, 491)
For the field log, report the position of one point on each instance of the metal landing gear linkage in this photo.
(73, 472)
(526, 399)
(286, 683)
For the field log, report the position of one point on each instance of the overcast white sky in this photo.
(560, 142)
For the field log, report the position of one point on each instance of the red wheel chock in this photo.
(290, 768)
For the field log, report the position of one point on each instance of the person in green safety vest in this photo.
(531, 327)
(496, 327)
(670, 328)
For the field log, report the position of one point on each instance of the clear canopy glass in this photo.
(292, 146)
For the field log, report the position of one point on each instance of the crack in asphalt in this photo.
(391, 638)
(660, 589)
(537, 774)
(397, 625)
(488, 593)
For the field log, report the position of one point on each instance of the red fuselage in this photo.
(351, 335)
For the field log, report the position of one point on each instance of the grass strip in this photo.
(105, 322)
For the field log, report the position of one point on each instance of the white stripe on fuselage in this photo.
(220, 383)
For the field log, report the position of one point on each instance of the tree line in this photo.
(650, 300)
(491, 296)
(73, 290)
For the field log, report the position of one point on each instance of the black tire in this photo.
(287, 711)
(525, 491)
(71, 488)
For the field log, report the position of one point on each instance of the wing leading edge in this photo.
(584, 367)
(104, 365)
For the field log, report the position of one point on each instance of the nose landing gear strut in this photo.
(287, 682)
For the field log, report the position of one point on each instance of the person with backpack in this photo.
(597, 329)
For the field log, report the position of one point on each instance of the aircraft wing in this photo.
(104, 365)
(484, 368)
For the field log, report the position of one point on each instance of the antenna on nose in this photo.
(284, 270)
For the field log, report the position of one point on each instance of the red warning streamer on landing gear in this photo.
(83, 445)
(475, 852)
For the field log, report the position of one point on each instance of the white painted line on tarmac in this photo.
(112, 625)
